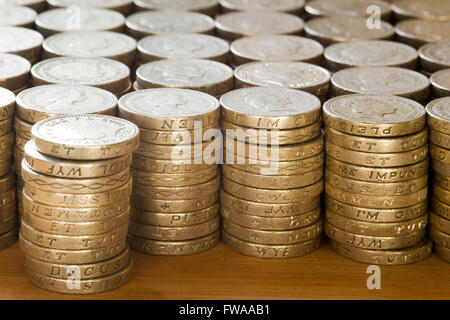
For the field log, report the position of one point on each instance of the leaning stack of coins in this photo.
(439, 124)
(22, 42)
(376, 178)
(8, 216)
(272, 173)
(38, 103)
(175, 173)
(14, 72)
(76, 203)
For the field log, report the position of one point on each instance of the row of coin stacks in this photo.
(376, 178)
(272, 172)
(438, 122)
(76, 225)
(175, 172)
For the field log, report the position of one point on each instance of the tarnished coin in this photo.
(439, 115)
(21, 41)
(182, 46)
(90, 19)
(208, 7)
(288, 6)
(211, 77)
(46, 101)
(381, 81)
(351, 8)
(8, 239)
(7, 104)
(36, 5)
(275, 48)
(122, 6)
(440, 84)
(422, 9)
(169, 109)
(14, 71)
(270, 108)
(146, 23)
(7, 182)
(334, 29)
(378, 53)
(440, 139)
(103, 73)
(91, 44)
(232, 26)
(419, 32)
(85, 137)
(293, 75)
(374, 116)
(435, 56)
(12, 15)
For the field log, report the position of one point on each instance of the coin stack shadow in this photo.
(376, 178)
(439, 143)
(270, 204)
(76, 204)
(175, 208)
(8, 203)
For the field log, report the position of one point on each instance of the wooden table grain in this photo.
(223, 274)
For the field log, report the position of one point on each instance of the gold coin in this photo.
(6, 142)
(270, 223)
(22, 128)
(70, 256)
(268, 209)
(270, 108)
(438, 116)
(144, 179)
(19, 144)
(370, 242)
(272, 182)
(440, 238)
(416, 33)
(440, 208)
(421, 9)
(174, 206)
(7, 198)
(168, 166)
(71, 200)
(374, 115)
(440, 223)
(174, 248)
(440, 167)
(7, 182)
(8, 211)
(7, 104)
(440, 84)
(6, 126)
(14, 71)
(409, 255)
(377, 145)
(442, 253)
(439, 154)
(88, 286)
(192, 152)
(435, 56)
(183, 219)
(8, 224)
(441, 194)
(91, 137)
(270, 251)
(73, 215)
(288, 6)
(375, 189)
(349, 8)
(177, 137)
(7, 239)
(5, 168)
(379, 175)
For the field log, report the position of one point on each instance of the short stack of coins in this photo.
(376, 178)
(439, 143)
(76, 203)
(272, 172)
(8, 210)
(176, 179)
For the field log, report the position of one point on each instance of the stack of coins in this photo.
(208, 76)
(208, 7)
(438, 122)
(175, 172)
(36, 5)
(8, 213)
(122, 6)
(416, 32)
(102, 73)
(22, 42)
(76, 203)
(38, 103)
(288, 6)
(14, 72)
(376, 178)
(440, 84)
(272, 174)
(18, 16)
(434, 57)
(421, 9)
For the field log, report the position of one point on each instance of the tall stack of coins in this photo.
(376, 178)
(208, 7)
(18, 16)
(38, 103)
(122, 6)
(22, 42)
(8, 213)
(175, 173)
(14, 72)
(76, 203)
(438, 122)
(272, 176)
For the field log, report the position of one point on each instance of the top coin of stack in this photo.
(288, 6)
(14, 72)
(350, 8)
(416, 33)
(36, 5)
(376, 178)
(122, 6)
(18, 16)
(440, 84)
(438, 10)
(22, 42)
(208, 7)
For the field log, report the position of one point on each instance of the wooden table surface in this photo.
(223, 274)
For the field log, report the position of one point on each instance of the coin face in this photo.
(276, 48)
(89, 44)
(340, 29)
(263, 5)
(352, 8)
(11, 15)
(423, 31)
(182, 46)
(440, 109)
(277, 102)
(12, 66)
(185, 5)
(422, 9)
(6, 97)
(374, 109)
(16, 39)
(105, 4)
(435, 56)
(440, 82)
(377, 53)
(90, 19)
